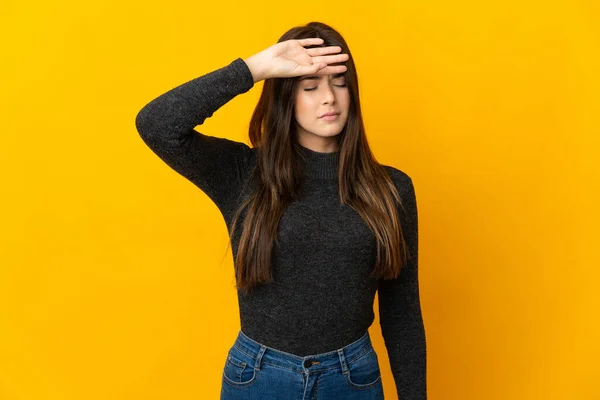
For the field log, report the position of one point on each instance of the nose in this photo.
(329, 96)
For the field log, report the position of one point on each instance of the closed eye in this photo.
(309, 89)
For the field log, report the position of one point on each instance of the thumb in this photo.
(315, 68)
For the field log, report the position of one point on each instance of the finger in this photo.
(331, 59)
(332, 69)
(317, 51)
(310, 69)
(310, 41)
(316, 67)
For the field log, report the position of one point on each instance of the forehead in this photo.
(317, 77)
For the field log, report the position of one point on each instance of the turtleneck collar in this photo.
(319, 165)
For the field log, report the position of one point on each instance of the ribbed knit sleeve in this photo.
(400, 310)
(166, 124)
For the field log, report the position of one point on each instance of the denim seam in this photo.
(366, 334)
(357, 386)
(356, 357)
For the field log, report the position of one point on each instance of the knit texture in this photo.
(322, 296)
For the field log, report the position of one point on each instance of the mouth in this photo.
(330, 117)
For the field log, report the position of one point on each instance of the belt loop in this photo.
(259, 356)
(342, 360)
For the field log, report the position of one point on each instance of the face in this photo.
(315, 96)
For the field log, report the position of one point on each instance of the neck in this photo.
(317, 164)
(317, 143)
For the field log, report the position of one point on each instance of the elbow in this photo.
(141, 122)
(145, 124)
(147, 127)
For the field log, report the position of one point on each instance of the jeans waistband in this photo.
(338, 358)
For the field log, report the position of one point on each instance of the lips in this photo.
(329, 113)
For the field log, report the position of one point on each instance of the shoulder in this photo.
(400, 178)
(252, 157)
(406, 190)
(247, 154)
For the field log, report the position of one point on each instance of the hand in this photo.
(289, 59)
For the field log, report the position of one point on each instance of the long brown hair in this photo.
(363, 183)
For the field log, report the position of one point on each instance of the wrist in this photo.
(256, 67)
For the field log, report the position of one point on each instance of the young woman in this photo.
(317, 226)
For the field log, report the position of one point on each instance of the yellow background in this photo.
(113, 283)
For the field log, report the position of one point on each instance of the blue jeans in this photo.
(254, 371)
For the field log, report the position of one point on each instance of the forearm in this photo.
(170, 118)
(256, 65)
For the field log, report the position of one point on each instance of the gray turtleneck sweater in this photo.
(322, 297)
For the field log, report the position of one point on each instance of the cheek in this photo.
(344, 98)
(303, 105)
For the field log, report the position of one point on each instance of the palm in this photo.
(291, 58)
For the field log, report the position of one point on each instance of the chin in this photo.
(325, 132)
(328, 134)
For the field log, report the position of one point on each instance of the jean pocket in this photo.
(239, 368)
(364, 372)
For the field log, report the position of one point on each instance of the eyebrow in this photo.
(316, 78)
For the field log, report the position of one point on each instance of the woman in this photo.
(316, 225)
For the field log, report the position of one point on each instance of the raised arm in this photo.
(166, 124)
(400, 310)
(220, 166)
